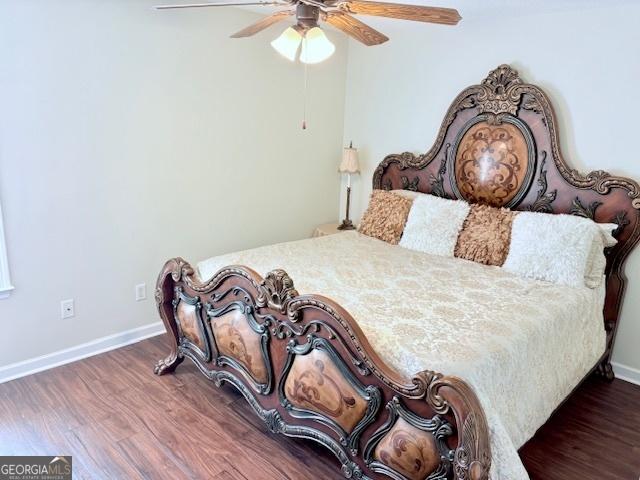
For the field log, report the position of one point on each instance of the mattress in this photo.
(523, 345)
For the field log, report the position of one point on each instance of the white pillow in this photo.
(563, 249)
(433, 225)
(410, 194)
(597, 262)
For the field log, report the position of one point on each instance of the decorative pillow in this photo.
(408, 193)
(555, 248)
(597, 262)
(434, 224)
(385, 216)
(485, 235)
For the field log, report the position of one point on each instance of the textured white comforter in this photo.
(522, 344)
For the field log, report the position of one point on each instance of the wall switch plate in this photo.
(67, 308)
(141, 292)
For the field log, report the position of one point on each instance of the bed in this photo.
(409, 365)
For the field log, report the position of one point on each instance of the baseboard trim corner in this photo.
(628, 374)
(78, 352)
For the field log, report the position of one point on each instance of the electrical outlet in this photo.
(141, 292)
(67, 308)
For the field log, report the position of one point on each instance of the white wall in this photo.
(584, 56)
(128, 136)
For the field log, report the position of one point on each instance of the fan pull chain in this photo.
(304, 99)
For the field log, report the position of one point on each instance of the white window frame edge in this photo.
(5, 279)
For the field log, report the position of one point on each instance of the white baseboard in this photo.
(68, 355)
(628, 374)
(117, 340)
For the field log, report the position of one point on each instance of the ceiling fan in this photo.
(338, 13)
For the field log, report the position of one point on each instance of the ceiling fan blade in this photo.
(217, 4)
(355, 28)
(260, 25)
(417, 13)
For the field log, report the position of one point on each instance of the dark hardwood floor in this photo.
(119, 421)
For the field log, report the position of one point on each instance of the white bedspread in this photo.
(522, 344)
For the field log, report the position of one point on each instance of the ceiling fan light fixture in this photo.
(316, 47)
(287, 43)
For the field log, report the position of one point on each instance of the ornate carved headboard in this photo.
(498, 144)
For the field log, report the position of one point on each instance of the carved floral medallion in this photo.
(237, 340)
(315, 383)
(410, 451)
(187, 314)
(189, 324)
(491, 163)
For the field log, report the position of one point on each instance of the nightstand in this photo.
(327, 229)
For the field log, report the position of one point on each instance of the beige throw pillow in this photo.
(386, 216)
(485, 235)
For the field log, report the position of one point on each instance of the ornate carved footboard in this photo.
(307, 370)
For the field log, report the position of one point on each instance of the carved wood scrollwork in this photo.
(411, 185)
(469, 460)
(472, 458)
(499, 93)
(602, 182)
(622, 221)
(437, 182)
(181, 269)
(405, 160)
(544, 199)
(577, 208)
(284, 330)
(276, 291)
(530, 102)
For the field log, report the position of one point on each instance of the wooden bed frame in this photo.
(302, 362)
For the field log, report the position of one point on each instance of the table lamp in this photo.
(349, 165)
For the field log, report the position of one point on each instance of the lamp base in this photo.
(346, 225)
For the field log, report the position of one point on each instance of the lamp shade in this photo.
(316, 47)
(287, 43)
(350, 163)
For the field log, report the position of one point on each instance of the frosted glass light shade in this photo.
(316, 47)
(287, 43)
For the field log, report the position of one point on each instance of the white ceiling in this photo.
(470, 10)
(491, 7)
(496, 10)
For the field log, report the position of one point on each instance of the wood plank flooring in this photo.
(119, 421)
